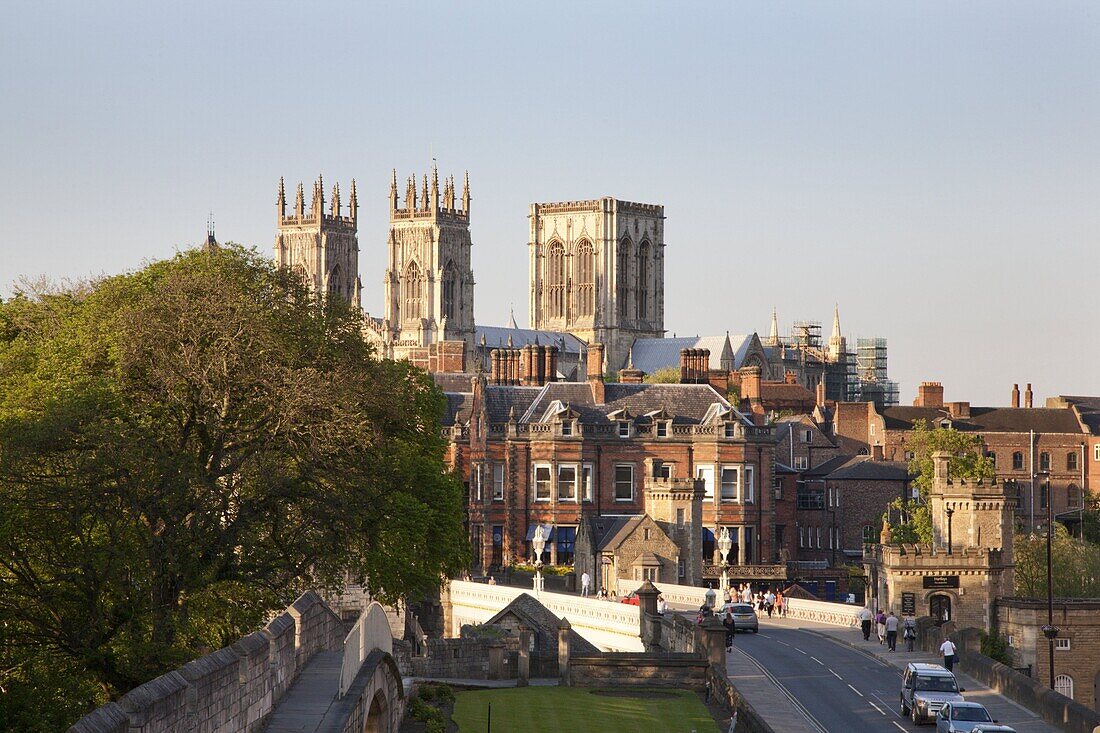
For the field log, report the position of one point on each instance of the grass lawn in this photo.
(557, 709)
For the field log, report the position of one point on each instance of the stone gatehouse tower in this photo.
(323, 248)
(597, 271)
(429, 284)
(965, 569)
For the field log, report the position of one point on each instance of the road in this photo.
(841, 689)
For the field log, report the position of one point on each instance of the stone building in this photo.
(966, 568)
(1076, 649)
(563, 454)
(1030, 446)
(597, 271)
(321, 247)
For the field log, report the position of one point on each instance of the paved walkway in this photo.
(303, 708)
(767, 698)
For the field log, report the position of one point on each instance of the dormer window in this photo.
(567, 428)
(624, 429)
(662, 429)
(730, 431)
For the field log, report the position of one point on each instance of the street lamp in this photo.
(1050, 631)
(724, 545)
(538, 543)
(949, 512)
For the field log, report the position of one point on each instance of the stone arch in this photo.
(299, 271)
(1063, 685)
(376, 715)
(942, 605)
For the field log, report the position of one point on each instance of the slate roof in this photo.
(651, 354)
(610, 532)
(989, 419)
(786, 392)
(822, 470)
(539, 618)
(686, 403)
(452, 381)
(863, 468)
(1089, 410)
(500, 399)
(457, 410)
(497, 336)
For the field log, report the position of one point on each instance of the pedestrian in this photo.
(865, 617)
(492, 580)
(602, 594)
(892, 632)
(662, 604)
(586, 581)
(947, 648)
(731, 628)
(704, 613)
(779, 607)
(769, 602)
(880, 626)
(909, 632)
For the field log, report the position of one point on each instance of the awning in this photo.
(548, 528)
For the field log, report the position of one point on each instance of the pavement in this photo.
(804, 676)
(304, 706)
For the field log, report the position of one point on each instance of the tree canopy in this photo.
(188, 446)
(911, 520)
(1076, 564)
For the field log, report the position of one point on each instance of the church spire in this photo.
(281, 202)
(393, 191)
(836, 322)
(837, 344)
(353, 203)
(435, 188)
(773, 335)
(300, 203)
(466, 193)
(424, 193)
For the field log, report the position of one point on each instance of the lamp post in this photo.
(538, 543)
(949, 512)
(724, 545)
(1050, 631)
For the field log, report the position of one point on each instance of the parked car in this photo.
(960, 717)
(631, 599)
(925, 688)
(744, 618)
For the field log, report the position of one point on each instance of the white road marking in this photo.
(876, 707)
(798, 650)
(898, 725)
(855, 690)
(836, 675)
(817, 660)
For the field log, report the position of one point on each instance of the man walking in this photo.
(947, 648)
(865, 618)
(892, 632)
(586, 583)
(909, 632)
(769, 602)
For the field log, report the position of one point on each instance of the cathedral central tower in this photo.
(429, 284)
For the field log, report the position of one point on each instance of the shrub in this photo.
(435, 726)
(996, 648)
(427, 692)
(444, 693)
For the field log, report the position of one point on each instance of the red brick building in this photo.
(561, 454)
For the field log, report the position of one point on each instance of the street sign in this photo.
(908, 604)
(941, 581)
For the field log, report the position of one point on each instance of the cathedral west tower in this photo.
(322, 248)
(429, 283)
(597, 271)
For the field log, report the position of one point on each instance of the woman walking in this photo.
(880, 626)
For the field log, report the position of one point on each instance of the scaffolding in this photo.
(872, 381)
(806, 335)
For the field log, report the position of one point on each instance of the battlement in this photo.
(606, 203)
(431, 203)
(315, 215)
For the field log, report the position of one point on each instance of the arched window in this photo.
(412, 287)
(300, 272)
(1073, 496)
(1044, 461)
(450, 291)
(335, 277)
(643, 278)
(555, 280)
(586, 279)
(1071, 461)
(623, 277)
(1017, 461)
(1063, 685)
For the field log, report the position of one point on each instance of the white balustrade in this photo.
(689, 596)
(371, 631)
(826, 612)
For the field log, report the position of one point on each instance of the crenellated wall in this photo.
(232, 689)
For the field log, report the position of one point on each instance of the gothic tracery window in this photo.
(450, 291)
(555, 280)
(643, 278)
(586, 279)
(412, 285)
(335, 277)
(623, 278)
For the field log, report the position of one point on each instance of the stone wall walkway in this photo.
(305, 705)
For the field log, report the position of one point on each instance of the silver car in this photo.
(744, 617)
(961, 717)
(992, 728)
(925, 688)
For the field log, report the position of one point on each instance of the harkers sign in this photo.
(941, 581)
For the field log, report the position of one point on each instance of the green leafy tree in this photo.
(911, 521)
(1076, 564)
(668, 375)
(188, 446)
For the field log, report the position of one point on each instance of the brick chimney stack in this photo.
(1015, 395)
(595, 373)
(819, 394)
(551, 364)
(1027, 395)
(929, 394)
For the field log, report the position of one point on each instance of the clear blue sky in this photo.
(934, 167)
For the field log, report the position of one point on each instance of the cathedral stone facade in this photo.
(597, 271)
(429, 284)
(323, 248)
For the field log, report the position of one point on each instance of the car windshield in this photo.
(976, 715)
(936, 684)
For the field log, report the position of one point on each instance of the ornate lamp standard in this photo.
(724, 545)
(949, 511)
(1050, 631)
(538, 544)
